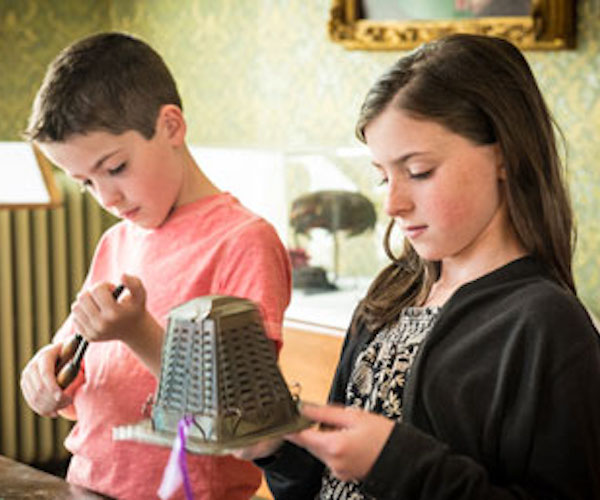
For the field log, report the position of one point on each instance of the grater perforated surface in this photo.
(219, 367)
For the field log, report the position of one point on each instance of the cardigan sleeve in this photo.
(563, 456)
(292, 473)
(532, 430)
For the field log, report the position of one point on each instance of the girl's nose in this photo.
(398, 200)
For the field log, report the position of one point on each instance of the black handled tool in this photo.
(71, 354)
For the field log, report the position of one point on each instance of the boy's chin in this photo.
(147, 220)
(145, 223)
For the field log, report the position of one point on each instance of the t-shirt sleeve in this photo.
(256, 266)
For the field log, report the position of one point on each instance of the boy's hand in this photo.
(38, 383)
(99, 317)
(352, 442)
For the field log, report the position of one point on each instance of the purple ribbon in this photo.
(184, 425)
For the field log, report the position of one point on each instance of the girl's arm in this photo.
(292, 473)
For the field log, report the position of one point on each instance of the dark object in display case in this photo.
(311, 279)
(334, 211)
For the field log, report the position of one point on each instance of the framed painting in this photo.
(406, 24)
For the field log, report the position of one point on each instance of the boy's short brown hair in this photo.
(109, 81)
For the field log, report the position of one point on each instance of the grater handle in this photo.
(67, 351)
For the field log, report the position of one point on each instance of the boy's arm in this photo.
(255, 266)
(147, 343)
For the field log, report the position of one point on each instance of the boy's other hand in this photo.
(38, 383)
(99, 317)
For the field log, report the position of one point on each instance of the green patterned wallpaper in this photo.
(31, 34)
(263, 74)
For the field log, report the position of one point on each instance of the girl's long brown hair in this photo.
(482, 89)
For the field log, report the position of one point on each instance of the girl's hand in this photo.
(38, 383)
(99, 317)
(258, 450)
(351, 441)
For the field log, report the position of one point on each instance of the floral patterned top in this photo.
(378, 378)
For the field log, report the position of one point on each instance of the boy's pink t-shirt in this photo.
(212, 246)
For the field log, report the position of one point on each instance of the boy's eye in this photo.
(85, 185)
(117, 170)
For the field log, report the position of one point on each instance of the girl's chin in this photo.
(428, 253)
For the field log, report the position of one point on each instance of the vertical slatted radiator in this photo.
(44, 255)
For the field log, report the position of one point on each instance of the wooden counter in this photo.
(308, 358)
(19, 481)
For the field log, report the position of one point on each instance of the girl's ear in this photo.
(500, 164)
(171, 123)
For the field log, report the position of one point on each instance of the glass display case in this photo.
(327, 207)
(335, 233)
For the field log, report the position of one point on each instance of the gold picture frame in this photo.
(550, 26)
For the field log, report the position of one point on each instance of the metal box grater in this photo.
(219, 368)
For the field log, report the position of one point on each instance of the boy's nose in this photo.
(108, 196)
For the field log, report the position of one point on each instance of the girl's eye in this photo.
(117, 170)
(421, 175)
(382, 181)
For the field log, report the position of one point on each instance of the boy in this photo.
(108, 113)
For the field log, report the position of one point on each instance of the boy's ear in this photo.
(171, 123)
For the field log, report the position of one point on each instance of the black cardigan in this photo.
(502, 401)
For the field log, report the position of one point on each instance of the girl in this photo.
(470, 370)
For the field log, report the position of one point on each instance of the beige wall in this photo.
(262, 73)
